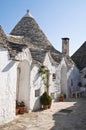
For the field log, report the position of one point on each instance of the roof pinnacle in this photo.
(28, 13)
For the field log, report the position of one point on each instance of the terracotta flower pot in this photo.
(49, 106)
(45, 107)
(22, 110)
(17, 111)
(61, 99)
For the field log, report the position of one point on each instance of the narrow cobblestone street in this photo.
(52, 119)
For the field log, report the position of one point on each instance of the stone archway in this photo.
(23, 83)
(64, 80)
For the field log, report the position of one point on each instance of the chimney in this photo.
(65, 46)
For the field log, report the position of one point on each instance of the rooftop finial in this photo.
(27, 10)
(28, 13)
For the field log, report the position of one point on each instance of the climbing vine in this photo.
(44, 73)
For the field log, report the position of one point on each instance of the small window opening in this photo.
(37, 92)
(54, 76)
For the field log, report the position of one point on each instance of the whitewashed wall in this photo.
(73, 78)
(23, 77)
(7, 87)
(9, 83)
(23, 83)
(62, 83)
(63, 77)
(70, 78)
(83, 77)
(54, 84)
(36, 83)
(28, 82)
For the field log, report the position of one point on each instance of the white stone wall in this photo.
(19, 81)
(70, 78)
(24, 55)
(83, 77)
(62, 83)
(63, 77)
(23, 77)
(23, 83)
(7, 87)
(54, 84)
(35, 83)
(73, 78)
(9, 82)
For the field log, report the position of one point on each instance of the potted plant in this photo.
(61, 97)
(21, 107)
(45, 100)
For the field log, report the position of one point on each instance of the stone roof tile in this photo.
(15, 48)
(39, 54)
(3, 37)
(27, 33)
(28, 27)
(79, 57)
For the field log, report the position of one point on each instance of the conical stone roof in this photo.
(27, 34)
(39, 45)
(79, 57)
(29, 28)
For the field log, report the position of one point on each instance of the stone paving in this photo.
(52, 119)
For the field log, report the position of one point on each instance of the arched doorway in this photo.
(23, 81)
(64, 80)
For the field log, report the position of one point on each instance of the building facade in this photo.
(22, 53)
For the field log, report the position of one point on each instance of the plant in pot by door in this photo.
(22, 107)
(45, 100)
(61, 97)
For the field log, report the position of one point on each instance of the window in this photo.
(37, 92)
(54, 76)
(85, 76)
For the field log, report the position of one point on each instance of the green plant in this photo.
(42, 70)
(45, 99)
(64, 95)
(44, 73)
(61, 95)
(21, 104)
(22, 107)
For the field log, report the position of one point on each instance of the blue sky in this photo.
(57, 18)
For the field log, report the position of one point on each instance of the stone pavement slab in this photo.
(53, 119)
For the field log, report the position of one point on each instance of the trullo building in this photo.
(22, 53)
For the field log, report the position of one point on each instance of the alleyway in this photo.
(52, 119)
